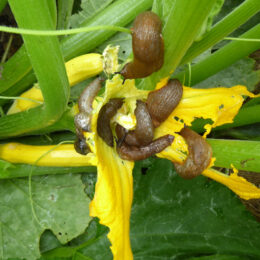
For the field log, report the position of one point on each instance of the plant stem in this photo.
(122, 11)
(52, 79)
(223, 28)
(63, 32)
(222, 58)
(64, 13)
(244, 155)
(2, 5)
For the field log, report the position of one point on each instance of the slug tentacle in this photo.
(104, 116)
(199, 157)
(148, 47)
(163, 101)
(134, 153)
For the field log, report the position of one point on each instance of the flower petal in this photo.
(218, 104)
(239, 185)
(113, 198)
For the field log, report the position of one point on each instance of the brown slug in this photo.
(83, 119)
(134, 153)
(143, 133)
(148, 47)
(81, 146)
(104, 116)
(162, 102)
(199, 157)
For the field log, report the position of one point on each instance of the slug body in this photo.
(163, 101)
(134, 153)
(148, 47)
(199, 156)
(104, 116)
(81, 146)
(143, 134)
(83, 119)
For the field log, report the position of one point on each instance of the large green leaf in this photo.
(89, 9)
(240, 73)
(60, 205)
(174, 218)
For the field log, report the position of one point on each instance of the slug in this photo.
(133, 153)
(143, 133)
(81, 146)
(162, 102)
(199, 156)
(83, 119)
(148, 47)
(104, 116)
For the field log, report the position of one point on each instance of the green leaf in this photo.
(209, 21)
(173, 218)
(60, 205)
(89, 9)
(240, 73)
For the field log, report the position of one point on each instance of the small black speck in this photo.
(144, 171)
(123, 52)
(221, 106)
(60, 233)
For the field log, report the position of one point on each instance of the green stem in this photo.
(120, 13)
(181, 28)
(223, 28)
(52, 79)
(63, 32)
(222, 58)
(244, 155)
(2, 5)
(241, 39)
(64, 14)
(8, 171)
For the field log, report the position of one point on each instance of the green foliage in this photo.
(171, 218)
(240, 73)
(89, 9)
(59, 203)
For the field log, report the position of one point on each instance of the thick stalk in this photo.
(48, 65)
(244, 155)
(221, 59)
(223, 28)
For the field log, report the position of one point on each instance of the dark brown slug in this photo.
(199, 156)
(143, 133)
(104, 116)
(163, 101)
(133, 153)
(148, 47)
(81, 146)
(83, 119)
